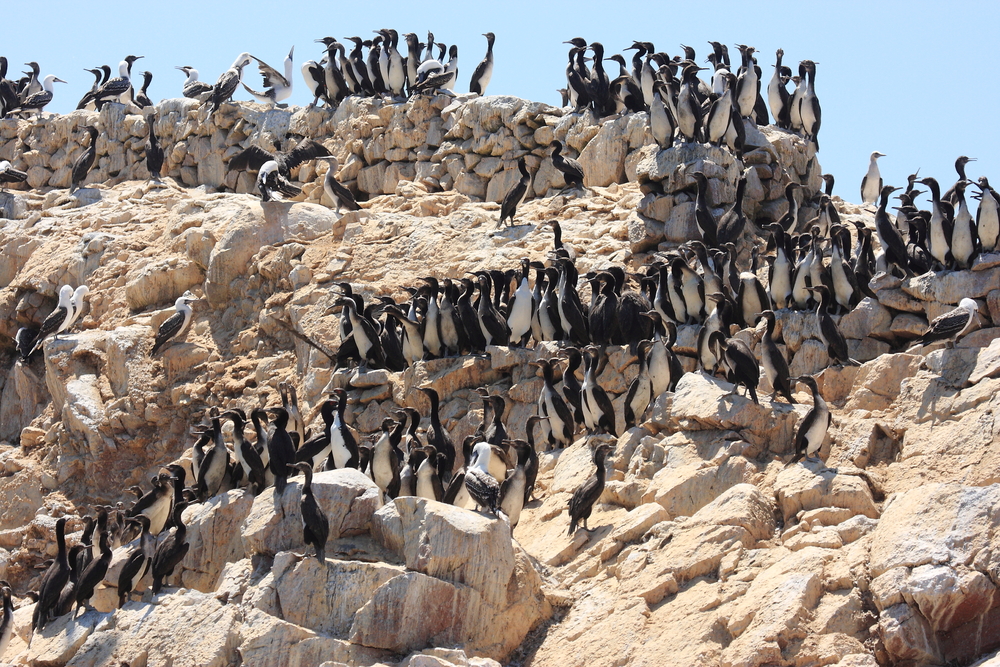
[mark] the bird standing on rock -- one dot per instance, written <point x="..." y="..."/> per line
<point x="315" y="525"/>
<point x="175" y="325"/>
<point x="586" y="495"/>
<point x="950" y="326"/>
<point x="514" y="196"/>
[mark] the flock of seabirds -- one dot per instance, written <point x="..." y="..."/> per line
<point x="813" y="266"/>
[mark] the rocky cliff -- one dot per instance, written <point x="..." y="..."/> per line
<point x="708" y="549"/>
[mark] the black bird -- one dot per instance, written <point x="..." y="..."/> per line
<point x="703" y="215"/>
<point x="571" y="170"/>
<point x="281" y="450"/>
<point x="484" y="70"/>
<point x="438" y="437"/>
<point x="888" y="236"/>
<point x="582" y="502"/>
<point x="255" y="157"/>
<point x="138" y="561"/>
<point x="171" y="551"/>
<point x="94" y="573"/>
<point x="315" y="526"/>
<point x="154" y="153"/>
<point x="142" y="98"/>
<point x="514" y="196"/>
<point x="739" y="362"/>
<point x="733" y="221"/>
<point x="812" y="430"/>
<point x="246" y="454"/>
<point x="83" y="163"/>
<point x="830" y="335"/>
<point x="775" y="366"/>
<point x="7" y="611"/>
<point x="53" y="581"/>
<point x="598" y="412"/>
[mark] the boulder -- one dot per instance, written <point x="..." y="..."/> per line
<point x="462" y="569"/>
<point x="348" y="497"/>
<point x="214" y="533"/>
<point x="809" y="486"/>
<point x="185" y="628"/>
<point x="703" y="402"/>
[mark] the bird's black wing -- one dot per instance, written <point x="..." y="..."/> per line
<point x="947" y="325"/>
<point x="272" y="77"/>
<point x="252" y="158"/>
<point x="307" y="149"/>
<point x="170" y="327"/>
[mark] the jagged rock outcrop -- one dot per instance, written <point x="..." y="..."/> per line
<point x="708" y="548"/>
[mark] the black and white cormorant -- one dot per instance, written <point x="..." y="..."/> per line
<point x="514" y="196"/>
<point x="888" y="236"/>
<point x="661" y="120"/>
<point x="941" y="225"/>
<point x="83" y="163"/>
<point x="315" y="525"/>
<point x="174" y="326"/>
<point x="640" y="392"/>
<point x="94" y="573"/>
<point x="514" y="489"/>
<point x="334" y="189"/>
<point x="484" y="70"/>
<point x="598" y="412"/>
<point x="732" y="222"/>
<point x="812" y="431"/>
<point x="988" y="215"/>
<point x="155" y="504"/>
<point x="171" y="550"/>
<point x="965" y="243"/>
<point x="773" y="361"/>
<point x="581" y="504"/>
<point x="138" y="562"/>
<point x="246" y="454"/>
<point x="777" y="94"/>
<point x="829" y="332"/>
<point x="481" y="485"/>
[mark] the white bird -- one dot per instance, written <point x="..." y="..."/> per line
<point x="58" y="320"/>
<point x="871" y="184"/>
<point x="279" y="86"/>
<point x="175" y="325"/>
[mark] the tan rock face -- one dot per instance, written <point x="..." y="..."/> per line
<point x="707" y="548"/>
<point x="274" y="524"/>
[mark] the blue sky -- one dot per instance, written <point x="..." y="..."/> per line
<point x="910" y="79"/>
